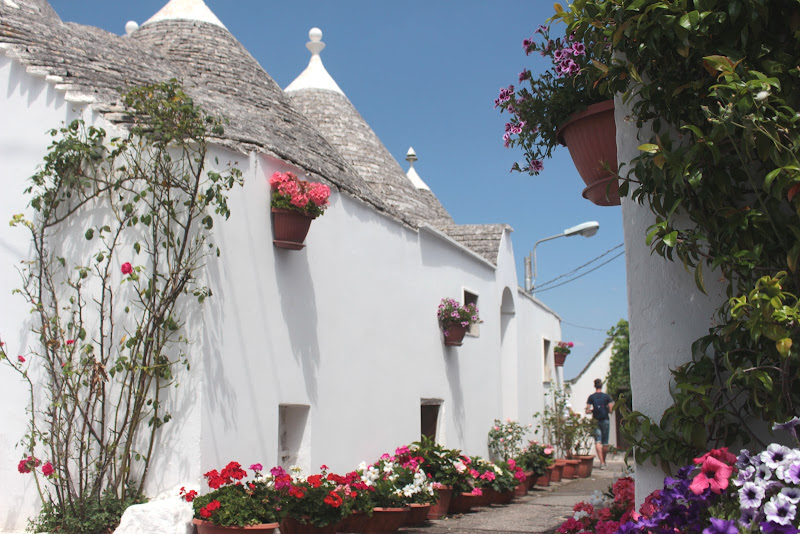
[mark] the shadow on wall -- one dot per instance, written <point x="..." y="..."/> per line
<point x="453" y="371"/>
<point x="299" y="306"/>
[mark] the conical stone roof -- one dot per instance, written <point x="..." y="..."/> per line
<point x="217" y="72"/>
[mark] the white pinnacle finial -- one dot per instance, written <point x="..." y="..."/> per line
<point x="315" y="76"/>
<point x="130" y="27"/>
<point x="411" y="156"/>
<point x="315" y="45"/>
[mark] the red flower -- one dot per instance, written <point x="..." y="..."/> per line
<point x="208" y="509"/>
<point x="333" y="499"/>
<point x="719" y="454"/>
<point x="188" y="495"/>
<point x="296" y="492"/>
<point x="70" y="341"/>
<point x="28" y="464"/>
<point x="47" y="469"/>
<point x="126" y="268"/>
<point x="21" y="359"/>
<point x="315" y="481"/>
<point x="233" y="471"/>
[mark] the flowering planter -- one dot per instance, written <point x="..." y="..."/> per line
<point x="462" y="503"/>
<point x="555" y="472"/>
<point x="454" y="335"/>
<point x="290" y="228"/>
<point x="290" y="525"/>
<point x="559" y="358"/>
<point x="418" y="514"/>
<point x="585" y="466"/>
<point x="385" y="520"/>
<point x="206" y="527"/>
<point x="591" y="137"/>
<point x="354" y="523"/>
<point x="439" y="509"/>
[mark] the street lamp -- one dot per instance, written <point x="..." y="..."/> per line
<point x="587" y="229"/>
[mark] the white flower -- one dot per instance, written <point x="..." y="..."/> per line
<point x="780" y="510"/>
<point x="762" y="95"/>
<point x="577" y="516"/>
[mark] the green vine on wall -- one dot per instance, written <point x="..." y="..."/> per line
<point x="717" y="82"/>
<point x="120" y="230"/>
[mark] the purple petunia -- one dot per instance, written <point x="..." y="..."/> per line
<point x="751" y="495"/>
<point x="721" y="526"/>
<point x="780" y="510"/>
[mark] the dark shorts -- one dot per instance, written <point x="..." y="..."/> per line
<point x="601" y="431"/>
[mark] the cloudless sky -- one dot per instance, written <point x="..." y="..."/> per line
<point x="425" y="73"/>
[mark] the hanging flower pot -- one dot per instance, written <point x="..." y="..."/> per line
<point x="591" y="137"/>
<point x="295" y="203"/>
<point x="206" y="527"/>
<point x="290" y="228"/>
<point x="454" y="335"/>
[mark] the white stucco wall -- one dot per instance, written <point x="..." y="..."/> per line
<point x="666" y="310"/>
<point x="346" y="326"/>
<point x="582" y="386"/>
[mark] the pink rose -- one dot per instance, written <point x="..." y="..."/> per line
<point x="126" y="268"/>
<point x="70" y="341"/>
<point x="21" y="359"/>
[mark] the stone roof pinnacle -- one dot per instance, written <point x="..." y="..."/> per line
<point x="411" y="157"/>
<point x="315" y="76"/>
<point x="194" y="10"/>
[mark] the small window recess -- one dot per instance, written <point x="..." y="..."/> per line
<point x="430" y="418"/>
<point x="547" y="372"/>
<point x="294" y="436"/>
<point x="472" y="298"/>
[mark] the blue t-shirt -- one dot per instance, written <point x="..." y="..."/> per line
<point x="599" y="402"/>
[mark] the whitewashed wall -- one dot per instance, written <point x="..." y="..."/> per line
<point x="346" y="326"/>
<point x="666" y="310"/>
<point x="582" y="386"/>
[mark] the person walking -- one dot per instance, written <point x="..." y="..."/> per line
<point x="600" y="404"/>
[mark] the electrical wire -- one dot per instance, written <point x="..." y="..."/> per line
<point x="536" y="290"/>
<point x="576" y="269"/>
<point x="585" y="327"/>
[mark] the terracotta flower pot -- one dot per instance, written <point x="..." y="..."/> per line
<point x="522" y="488"/>
<point x="454" y="334"/>
<point x="591" y="137"/>
<point x="418" y="514"/>
<point x="569" y="468"/>
<point x="555" y="472"/>
<point x="290" y="525"/>
<point x="585" y="467"/>
<point x="530" y="480"/>
<point x="462" y="503"/>
<point x="290" y="228"/>
<point x="206" y="527"/>
<point x="385" y="520"/>
<point x="354" y="523"/>
<point x="559" y="358"/>
<point x="543" y="480"/>
<point x="439" y="509"/>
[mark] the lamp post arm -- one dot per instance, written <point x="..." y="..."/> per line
<point x="533" y="255"/>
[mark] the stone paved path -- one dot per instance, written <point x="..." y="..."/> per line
<point x="541" y="511"/>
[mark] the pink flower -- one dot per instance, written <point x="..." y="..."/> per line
<point x="126" y="268"/>
<point x="548" y="450"/>
<point x="256" y="467"/>
<point x="21" y="359"/>
<point x="47" y="469"/>
<point x="476" y="491"/>
<point x="319" y="194"/>
<point x="70" y="341"/>
<point x="512" y="464"/>
<point x="299" y="200"/>
<point x="713" y="474"/>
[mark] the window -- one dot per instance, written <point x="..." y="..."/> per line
<point x="547" y="373"/>
<point x="429" y="417"/>
<point x="472" y="298"/>
<point x="294" y="443"/>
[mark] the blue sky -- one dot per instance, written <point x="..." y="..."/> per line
<point x="425" y="74"/>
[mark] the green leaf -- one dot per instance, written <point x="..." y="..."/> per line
<point x="698" y="278"/>
<point x="649" y="148"/>
<point x="89" y="234"/>
<point x="671" y="239"/>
